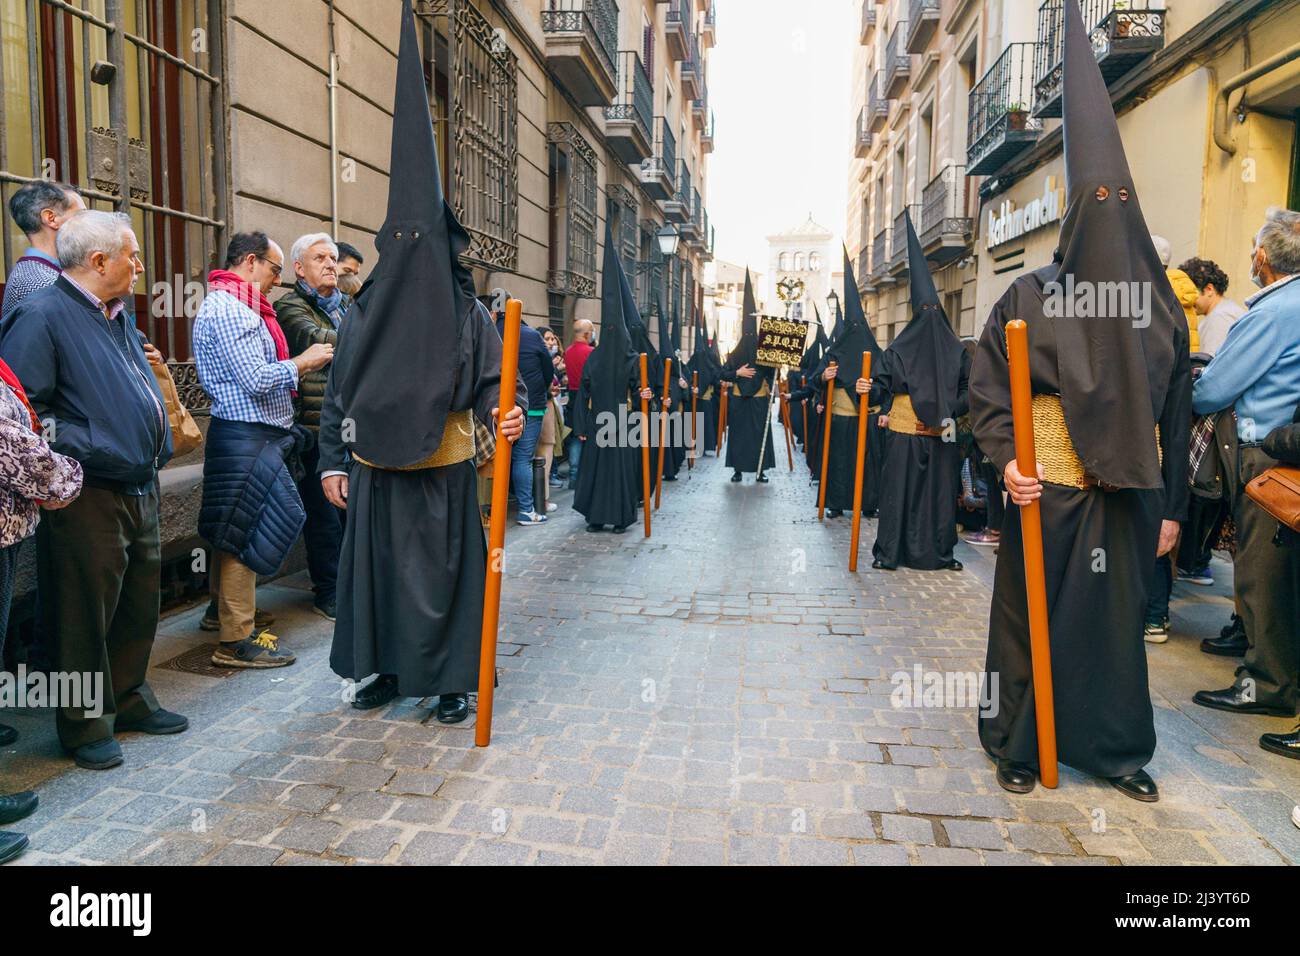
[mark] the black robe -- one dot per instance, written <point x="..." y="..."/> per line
<point x="920" y="482"/>
<point x="609" y="481"/>
<point x="747" y="420"/>
<point x="1104" y="721"/>
<point x="414" y="558"/>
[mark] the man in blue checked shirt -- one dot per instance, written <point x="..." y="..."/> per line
<point x="1256" y="372"/>
<point x="244" y="365"/>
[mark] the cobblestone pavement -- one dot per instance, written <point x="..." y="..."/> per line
<point x="717" y="694"/>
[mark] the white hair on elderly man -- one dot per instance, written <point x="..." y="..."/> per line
<point x="304" y="243"/>
<point x="91" y="231"/>
<point x="1280" y="237"/>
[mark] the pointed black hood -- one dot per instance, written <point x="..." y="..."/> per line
<point x="611" y="363"/>
<point x="666" y="350"/>
<point x="812" y="355"/>
<point x="855" y="336"/>
<point x="927" y="355"/>
<point x="677" y="330"/>
<point x="703" y="360"/>
<point x="1114" y="371"/>
<point x="400" y="349"/>
<point x="746" y="350"/>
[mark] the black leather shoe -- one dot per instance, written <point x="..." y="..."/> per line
<point x="378" y="692"/>
<point x="1233" y="700"/>
<point x="880" y="566"/>
<point x="12" y="846"/>
<point x="7" y="735"/>
<point x="735" y="476"/>
<point x="101" y="755"/>
<point x="834" y="513"/>
<point x="1138" y="785"/>
<point x="1284" y="745"/>
<point x="1015" y="777"/>
<point x="453" y="708"/>
<point x="761" y="479"/>
<point x="1231" y="641"/>
<point x="953" y="565"/>
<point x="15" y="806"/>
<point x="595" y="528"/>
<point x="159" y="722"/>
<point x="620" y="528"/>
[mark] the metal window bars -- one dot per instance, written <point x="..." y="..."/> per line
<point x="573" y="212"/>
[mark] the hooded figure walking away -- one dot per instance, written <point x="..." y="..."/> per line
<point x="854" y="337"/>
<point x="811" y="394"/>
<point x="1112" y="406"/>
<point x="418" y="360"/>
<point x="748" y="409"/>
<point x="705" y="364"/>
<point x="921" y="390"/>
<point x="673" y="456"/>
<point x="609" y="481"/>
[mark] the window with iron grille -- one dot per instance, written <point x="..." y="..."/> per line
<point x="649" y="270"/>
<point x="483" y="128"/>
<point x="621" y="210"/>
<point x="573" y="212"/>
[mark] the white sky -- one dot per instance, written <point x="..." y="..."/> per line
<point x="780" y="83"/>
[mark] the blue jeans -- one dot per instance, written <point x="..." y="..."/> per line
<point x="521" y="463"/>
<point x="574" y="454"/>
<point x="323" y="532"/>
<point x="1162" y="582"/>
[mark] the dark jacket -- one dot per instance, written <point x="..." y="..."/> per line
<point x="306" y="325"/>
<point x="251" y="507"/>
<point x="1283" y="443"/>
<point x="91" y="386"/>
<point x="535" y="366"/>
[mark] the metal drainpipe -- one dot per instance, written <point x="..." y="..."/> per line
<point x="334" y="123"/>
<point x="1222" y="132"/>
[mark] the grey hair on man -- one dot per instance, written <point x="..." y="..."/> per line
<point x="301" y="246"/>
<point x="28" y="203"/>
<point x="1280" y="239"/>
<point x="89" y="232"/>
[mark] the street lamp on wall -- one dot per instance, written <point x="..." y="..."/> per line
<point x="833" y="303"/>
<point x="668" y="238"/>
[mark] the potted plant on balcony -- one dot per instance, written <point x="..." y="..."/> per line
<point x="1017" y="116"/>
<point x="1122" y="23"/>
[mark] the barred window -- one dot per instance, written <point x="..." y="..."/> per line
<point x="573" y="212"/>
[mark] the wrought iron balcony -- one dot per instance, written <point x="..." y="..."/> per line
<point x="999" y="126"/>
<point x="898" y="62"/>
<point x="706" y="134"/>
<point x="692" y="227"/>
<point x="898" y="248"/>
<point x="677" y="29"/>
<point x="706" y="254"/>
<point x="709" y="27"/>
<point x="877" y="103"/>
<point x="677" y="207"/>
<point x="1123" y="33"/>
<point x="863" y="273"/>
<point x="862" y="141"/>
<point x="868" y="22"/>
<point x="659" y="169"/>
<point x="880" y="258"/>
<point x="922" y="22"/>
<point x="692" y="71"/>
<point x="581" y="41"/>
<point x="700" y="109"/>
<point x="946" y="228"/>
<point x="627" y="121"/>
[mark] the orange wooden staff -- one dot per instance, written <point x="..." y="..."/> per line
<point x="487" y="660"/>
<point x="863" y="411"/>
<point x="785" y="420"/>
<point x="663" y="433"/>
<point x="695" y="388"/>
<point x="804" y="405"/>
<point x="722" y="416"/>
<point x="645" y="447"/>
<point x="1031" y="534"/>
<point x="826" y="448"/>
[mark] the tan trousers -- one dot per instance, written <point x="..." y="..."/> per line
<point x="236" y="590"/>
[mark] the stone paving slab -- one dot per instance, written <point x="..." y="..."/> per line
<point x="721" y="693"/>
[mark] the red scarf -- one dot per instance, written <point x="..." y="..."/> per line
<point x="249" y="295"/>
<point x="9" y="378"/>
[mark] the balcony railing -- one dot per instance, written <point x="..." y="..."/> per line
<point x="868" y="21"/>
<point x="677" y="28"/>
<point x="922" y="22"/>
<point x="628" y="119"/>
<point x="879" y="255"/>
<point x="999" y="125"/>
<point x="678" y="206"/>
<point x="862" y="140"/>
<point x="863" y="274"/>
<point x="1123" y="33"/>
<point x="658" y="171"/>
<point x="709" y="27"/>
<point x="596" y="22"/>
<point x="706" y="134"/>
<point x="898" y="62"/>
<point x="877" y="103"/>
<point x="946" y="226"/>
<point x="898" y="249"/>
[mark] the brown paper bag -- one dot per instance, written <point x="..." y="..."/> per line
<point x="186" y="436"/>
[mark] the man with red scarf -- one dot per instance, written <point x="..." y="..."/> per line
<point x="250" y="503"/>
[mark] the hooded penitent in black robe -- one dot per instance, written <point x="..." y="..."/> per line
<point x="416" y="352"/>
<point x="920" y="480"/>
<point x="674" y="428"/>
<point x="609" y="481"/>
<point x="704" y="364"/>
<point x="808" y="399"/>
<point x="854" y="337"/>
<point x="749" y="406"/>
<point x="1117" y="378"/>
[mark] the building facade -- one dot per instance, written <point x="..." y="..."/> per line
<point x="206" y="117"/>
<point x="805" y="253"/>
<point x="958" y="119"/>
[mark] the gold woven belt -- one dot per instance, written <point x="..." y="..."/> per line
<point x="457" y="445"/>
<point x="841" y="404"/>
<point x="761" y="393"/>
<point x="902" y="419"/>
<point x="1055" y="450"/>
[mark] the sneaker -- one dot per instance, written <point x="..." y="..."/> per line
<point x="552" y="507"/>
<point x="1295" y="815"/>
<point x="984" y="538"/>
<point x="1202" y="577"/>
<point x="326" y="609"/>
<point x="255" y="651"/>
<point x="1156" y="633"/>
<point x="530" y="518"/>
<point x="212" y="620"/>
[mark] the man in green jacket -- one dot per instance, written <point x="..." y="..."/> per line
<point x="310" y="313"/>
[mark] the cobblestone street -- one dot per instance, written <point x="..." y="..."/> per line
<point x="717" y="694"/>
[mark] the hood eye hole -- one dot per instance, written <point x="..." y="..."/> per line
<point x="415" y="235"/>
<point x="1103" y="193"/>
<point x="1123" y="194"/>
<point x="397" y="235"/>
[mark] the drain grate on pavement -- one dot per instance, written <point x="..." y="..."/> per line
<point x="198" y="660"/>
